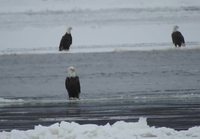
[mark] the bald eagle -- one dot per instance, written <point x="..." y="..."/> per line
<point x="66" y="40"/>
<point x="177" y="37"/>
<point x="72" y="83"/>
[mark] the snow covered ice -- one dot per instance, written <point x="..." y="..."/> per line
<point x="119" y="130"/>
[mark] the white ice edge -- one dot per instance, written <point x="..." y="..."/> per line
<point x="94" y="49"/>
<point x="119" y="130"/>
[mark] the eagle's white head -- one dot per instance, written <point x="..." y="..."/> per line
<point x="69" y="30"/>
<point x="71" y="72"/>
<point x="175" y="28"/>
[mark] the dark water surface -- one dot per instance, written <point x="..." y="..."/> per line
<point x="163" y="86"/>
<point x="175" y="115"/>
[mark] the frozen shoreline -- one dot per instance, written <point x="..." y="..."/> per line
<point x="118" y="130"/>
<point x="140" y="47"/>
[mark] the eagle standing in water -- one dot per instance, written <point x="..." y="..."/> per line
<point x="177" y="37"/>
<point x="72" y="84"/>
<point x="66" y="40"/>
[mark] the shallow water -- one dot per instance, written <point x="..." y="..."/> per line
<point x="182" y="115"/>
<point x="160" y="85"/>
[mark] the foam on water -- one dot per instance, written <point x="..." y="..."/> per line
<point x="3" y="100"/>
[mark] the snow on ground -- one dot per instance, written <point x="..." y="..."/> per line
<point x="119" y="130"/>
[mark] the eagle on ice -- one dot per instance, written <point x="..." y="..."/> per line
<point x="177" y="37"/>
<point x="66" y="40"/>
